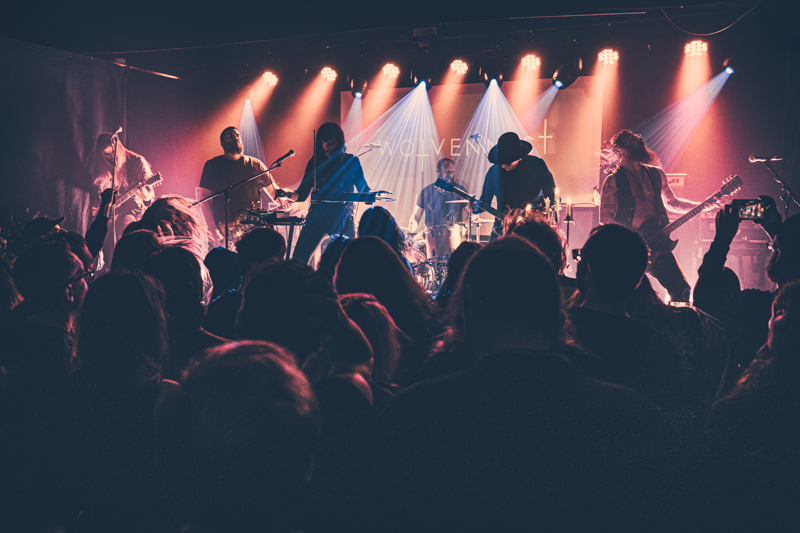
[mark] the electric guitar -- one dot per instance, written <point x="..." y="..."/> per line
<point x="656" y="229"/>
<point x="450" y="187"/>
<point x="155" y="181"/>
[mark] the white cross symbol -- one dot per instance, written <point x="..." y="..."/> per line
<point x="545" y="137"/>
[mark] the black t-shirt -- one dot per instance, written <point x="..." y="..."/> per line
<point x="222" y="172"/>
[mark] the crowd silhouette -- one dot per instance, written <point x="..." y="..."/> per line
<point x="185" y="390"/>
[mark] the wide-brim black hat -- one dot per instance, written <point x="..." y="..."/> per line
<point x="509" y="148"/>
<point x="38" y="227"/>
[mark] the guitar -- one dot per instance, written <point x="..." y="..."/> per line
<point x="656" y="229"/>
<point x="450" y="187"/>
<point x="155" y="181"/>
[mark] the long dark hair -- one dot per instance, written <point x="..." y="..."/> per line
<point x="378" y="222"/>
<point x="122" y="330"/>
<point x="611" y="152"/>
<point x="329" y="130"/>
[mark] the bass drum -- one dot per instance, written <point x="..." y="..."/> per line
<point x="442" y="240"/>
<point x="427" y="276"/>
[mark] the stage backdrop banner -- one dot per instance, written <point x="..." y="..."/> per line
<point x="566" y="134"/>
<point x="53" y="105"/>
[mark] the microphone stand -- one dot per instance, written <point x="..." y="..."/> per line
<point x="786" y="194"/>
<point x="115" y="141"/>
<point x="226" y="193"/>
<point x="479" y="136"/>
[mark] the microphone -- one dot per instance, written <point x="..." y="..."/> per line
<point x="287" y="155"/>
<point x="764" y="158"/>
<point x="375" y="145"/>
<point x="475" y="137"/>
<point x="119" y="130"/>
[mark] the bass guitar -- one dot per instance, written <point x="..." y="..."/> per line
<point x="657" y="228"/>
<point x="155" y="181"/>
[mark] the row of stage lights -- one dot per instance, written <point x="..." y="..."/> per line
<point x="530" y="63"/>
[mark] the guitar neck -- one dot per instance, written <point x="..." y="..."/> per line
<point x="465" y="195"/>
<point x="689" y="215"/>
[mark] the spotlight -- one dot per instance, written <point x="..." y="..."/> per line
<point x="270" y="78"/>
<point x="608" y="56"/>
<point x="422" y="71"/>
<point x="728" y="67"/>
<point x="358" y="87"/>
<point x="695" y="48"/>
<point x="531" y="62"/>
<point x="246" y="100"/>
<point x="459" y="67"/>
<point x="492" y="69"/>
<point x="391" y="71"/>
<point x="328" y="74"/>
<point x="565" y="75"/>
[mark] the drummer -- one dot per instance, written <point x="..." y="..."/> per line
<point x="441" y="209"/>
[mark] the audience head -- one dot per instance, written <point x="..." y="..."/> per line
<point x="122" y="333"/>
<point x="784" y="264"/>
<point x="176" y="216"/>
<point x="49" y="274"/>
<point x="380" y="330"/>
<point x="276" y="307"/>
<point x="179" y="273"/>
<point x="134" y="250"/>
<point x="784" y="326"/>
<point x="244" y="427"/>
<point x="258" y="246"/>
<point x="613" y="261"/>
<point x="144" y="224"/>
<point x="38" y="227"/>
<point x="75" y="241"/>
<point x="223" y="265"/>
<point x="332" y="252"/>
<point x="9" y="295"/>
<point x="509" y="288"/>
<point x="456" y="264"/>
<point x="368" y="265"/>
<point x="533" y="227"/>
<point x="378" y="222"/>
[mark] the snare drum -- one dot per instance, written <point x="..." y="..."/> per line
<point x="442" y="240"/>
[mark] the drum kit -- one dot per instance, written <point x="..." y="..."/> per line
<point x="430" y="249"/>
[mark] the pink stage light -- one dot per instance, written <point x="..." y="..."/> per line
<point x="270" y="78"/>
<point x="608" y="57"/>
<point x="531" y="62"/>
<point x="391" y="71"/>
<point x="459" y="67"/>
<point x="328" y="74"/>
<point x="695" y="48"/>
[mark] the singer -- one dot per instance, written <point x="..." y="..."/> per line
<point x="224" y="170"/>
<point x="336" y="172"/>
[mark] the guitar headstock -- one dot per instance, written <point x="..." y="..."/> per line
<point x="444" y="185"/>
<point x="731" y="186"/>
<point x="154" y="180"/>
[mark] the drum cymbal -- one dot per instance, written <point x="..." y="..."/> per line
<point x="457" y="202"/>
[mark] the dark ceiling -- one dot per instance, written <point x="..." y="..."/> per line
<point x="95" y="27"/>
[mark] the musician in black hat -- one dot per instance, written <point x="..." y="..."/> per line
<point x="516" y="179"/>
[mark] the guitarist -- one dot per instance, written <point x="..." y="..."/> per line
<point x="515" y="178"/>
<point x="636" y="190"/>
<point x="132" y="170"/>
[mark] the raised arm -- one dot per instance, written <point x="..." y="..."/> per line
<point x="679" y="205"/>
